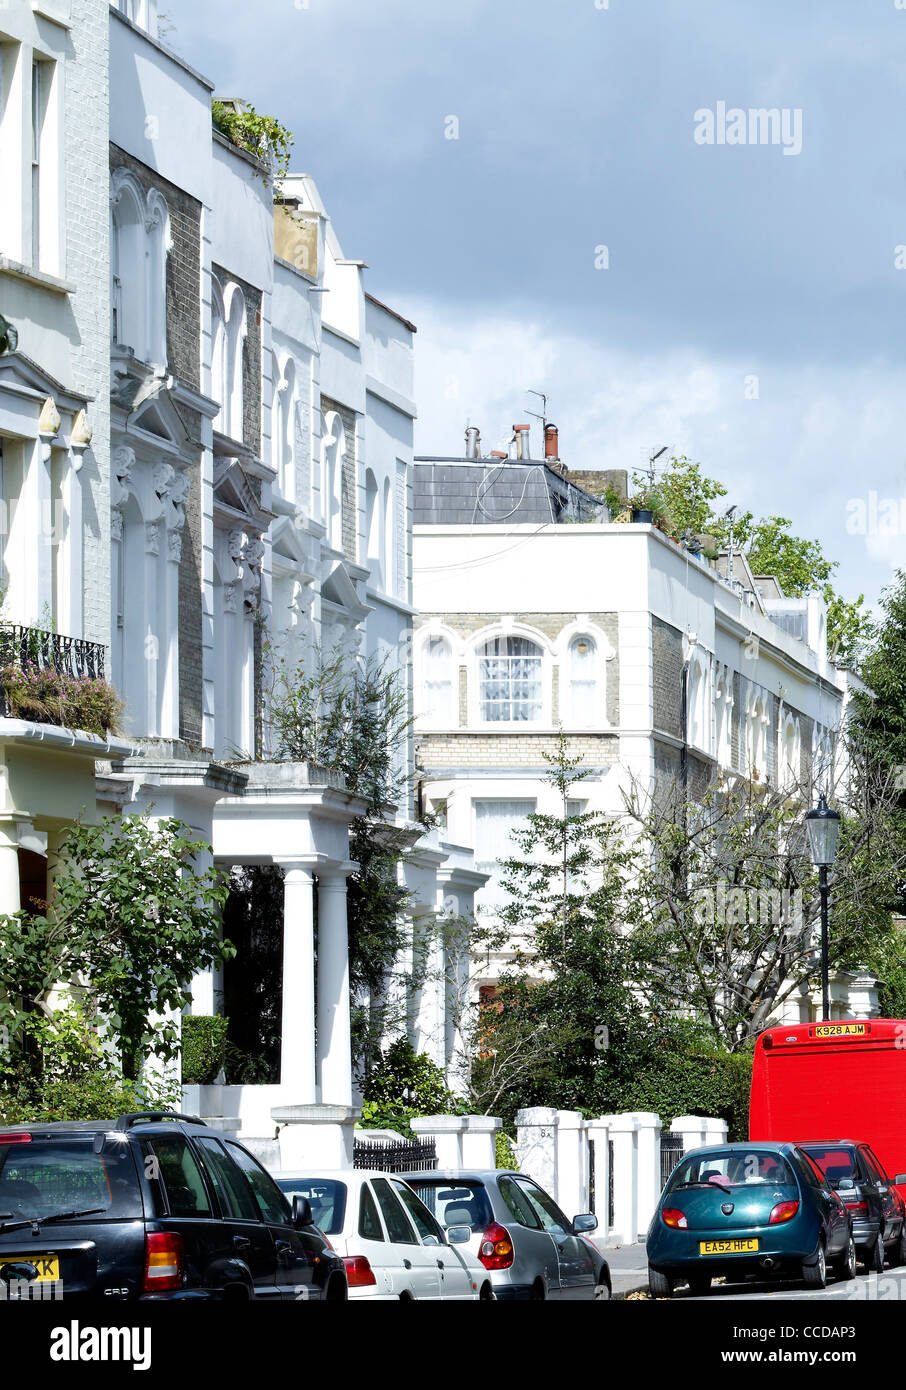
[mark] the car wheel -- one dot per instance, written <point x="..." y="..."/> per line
<point x="700" y="1284"/>
<point x="815" y="1274"/>
<point x="874" y="1260"/>
<point x="661" y="1285"/>
<point x="486" y="1294"/>
<point x="845" y="1266"/>
<point x="602" y="1292"/>
<point x="537" y="1290"/>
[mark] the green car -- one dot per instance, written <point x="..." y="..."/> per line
<point x="747" y="1211"/>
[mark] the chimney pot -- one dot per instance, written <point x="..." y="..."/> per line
<point x="551" y="442"/>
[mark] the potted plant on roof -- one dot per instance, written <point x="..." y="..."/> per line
<point x="647" y="507"/>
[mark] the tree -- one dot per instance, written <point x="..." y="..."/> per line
<point x="770" y="547"/>
<point x="882" y="712"/>
<point x="724" y="898"/>
<point x="566" y="1027"/>
<point x="131" y="921"/>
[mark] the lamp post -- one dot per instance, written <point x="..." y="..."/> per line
<point x="823" y="826"/>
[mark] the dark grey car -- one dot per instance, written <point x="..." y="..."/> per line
<point x="529" y="1246"/>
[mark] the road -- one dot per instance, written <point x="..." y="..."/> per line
<point x="629" y="1271"/>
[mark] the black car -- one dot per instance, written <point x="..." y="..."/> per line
<point x="152" y="1205"/>
<point x="878" y="1215"/>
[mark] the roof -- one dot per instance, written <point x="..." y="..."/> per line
<point x="392" y="312"/>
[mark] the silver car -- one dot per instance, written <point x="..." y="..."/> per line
<point x="520" y="1235"/>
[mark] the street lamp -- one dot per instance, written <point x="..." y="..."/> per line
<point x="823" y="826"/>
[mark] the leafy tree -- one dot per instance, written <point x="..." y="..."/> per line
<point x="882" y="712"/>
<point x="402" y="1085"/>
<point x="131" y="921"/>
<point x="724" y="898"/>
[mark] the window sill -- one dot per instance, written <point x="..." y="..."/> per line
<point x="41" y="278"/>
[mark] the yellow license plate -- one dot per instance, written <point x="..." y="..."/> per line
<point x="841" y="1030"/>
<point x="48" y="1266"/>
<point x="726" y="1247"/>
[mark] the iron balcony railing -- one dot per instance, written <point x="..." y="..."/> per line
<point x="70" y="656"/>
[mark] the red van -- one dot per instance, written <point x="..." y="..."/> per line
<point x="820" y="1081"/>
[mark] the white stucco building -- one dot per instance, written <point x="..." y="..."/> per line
<point x="528" y="621"/>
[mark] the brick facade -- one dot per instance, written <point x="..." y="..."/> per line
<point x="511" y="750"/>
<point x="349" y="489"/>
<point x="667" y="674"/>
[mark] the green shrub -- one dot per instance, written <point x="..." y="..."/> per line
<point x="504" y="1151"/>
<point x="55" y="697"/>
<point x="262" y="136"/>
<point x="697" y="1083"/>
<point x="203" y="1048"/>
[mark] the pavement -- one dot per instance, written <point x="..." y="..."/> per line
<point x="628" y="1269"/>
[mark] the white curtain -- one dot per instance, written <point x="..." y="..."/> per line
<point x="495" y="822"/>
<point x="438" y="683"/>
<point x="583" y="682"/>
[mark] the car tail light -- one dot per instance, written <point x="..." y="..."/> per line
<point x="672" y="1216"/>
<point x="856" y="1206"/>
<point x="784" y="1211"/>
<point x="496" y="1248"/>
<point x="164" y="1265"/>
<point x="359" y="1273"/>
<point x="15" y="1138"/>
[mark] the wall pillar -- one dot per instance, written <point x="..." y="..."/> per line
<point x="572" y="1163"/>
<point x="334" y="1043"/>
<point x="297" y="1046"/>
<point x="599" y="1134"/>
<point x="10" y="900"/>
<point x="479" y="1149"/>
<point x="536" y="1145"/>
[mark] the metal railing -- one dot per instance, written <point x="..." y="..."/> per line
<point x="672" y="1150"/>
<point x="48" y="651"/>
<point x="395" y="1156"/>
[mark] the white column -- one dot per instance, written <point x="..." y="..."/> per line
<point x="430" y="995"/>
<point x="692" y="1130"/>
<point x="479" y="1148"/>
<point x="334" y="1045"/>
<point x="572" y="1163"/>
<point x="9" y="866"/>
<point x="168" y="667"/>
<point x="297" y="1046"/>
<point x="649" y="1169"/>
<point x="69" y="546"/>
<point x="536" y="1145"/>
<point x="715" y="1130"/>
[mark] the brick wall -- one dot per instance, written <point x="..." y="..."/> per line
<point x="87" y="237"/>
<point x="183" y="269"/>
<point x="191" y="656"/>
<point x="511" y="750"/>
<point x="251" y="359"/>
<point x="667" y="672"/>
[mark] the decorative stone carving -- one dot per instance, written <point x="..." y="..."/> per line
<point x="174" y="544"/>
<point x="122" y="463"/>
<point x="230" y="595"/>
<point x="49" y="420"/>
<point x="162" y="479"/>
<point x="116" y="524"/>
<point x="152" y="537"/>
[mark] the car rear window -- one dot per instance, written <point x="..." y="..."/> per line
<point x="835" y="1163"/>
<point x="741" y="1168"/>
<point x="455" y="1204"/>
<point x="45" y="1176"/>
<point x="326" y="1197"/>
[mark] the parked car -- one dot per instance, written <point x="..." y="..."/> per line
<point x="152" y="1206"/>
<point x="740" y="1210"/>
<point x="517" y="1231"/>
<point x="876" y="1209"/>
<point x="391" y="1244"/>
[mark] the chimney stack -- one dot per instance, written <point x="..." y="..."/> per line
<point x="551" y="442"/>
<point x="473" y="443"/>
<point x="523" y="437"/>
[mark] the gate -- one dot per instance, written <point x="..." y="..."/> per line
<point x="395" y="1156"/>
<point x="672" y="1150"/>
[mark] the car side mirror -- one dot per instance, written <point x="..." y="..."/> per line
<point x="459" y="1235"/>
<point x="301" y="1211"/>
<point x="585" y="1222"/>
<point x="900" y="1178"/>
<point x="845" y="1184"/>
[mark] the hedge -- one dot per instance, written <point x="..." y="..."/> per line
<point x="697" y="1083"/>
<point x="203" y="1048"/>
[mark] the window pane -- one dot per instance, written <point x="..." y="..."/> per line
<point x="233" y="1192"/>
<point x="401" y="1233"/>
<point x="422" y="1220"/>
<point x="517" y="1204"/>
<point x="549" y="1214"/>
<point x="52" y="1175"/>
<point x="460" y="1204"/>
<point x="369" y="1222"/>
<point x="493" y="841"/>
<point x="179" y="1175"/>
<point x="271" y="1201"/>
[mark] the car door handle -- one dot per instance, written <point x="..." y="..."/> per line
<point x="407" y="1264"/>
<point x="440" y="1264"/>
<point x="241" y="1243"/>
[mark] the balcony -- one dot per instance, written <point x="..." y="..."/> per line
<point x="51" y="679"/>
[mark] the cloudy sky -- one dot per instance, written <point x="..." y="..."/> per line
<point x="739" y="302"/>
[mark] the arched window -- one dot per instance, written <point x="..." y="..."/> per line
<point x="756" y="740"/>
<point x="218" y="354"/>
<point x="696" y="721"/>
<point x="388" y="536"/>
<point x="509" y="680"/>
<point x="140" y="244"/>
<point x="437" y="659"/>
<point x="789" y="755"/>
<point x="584" y="684"/>
<point x="283" y="424"/>
<point x="374" y="532"/>
<point x="333" y="447"/>
<point x="235" y="331"/>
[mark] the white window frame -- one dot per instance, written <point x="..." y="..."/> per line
<point x="477" y="701"/>
<point x="425" y="714"/>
